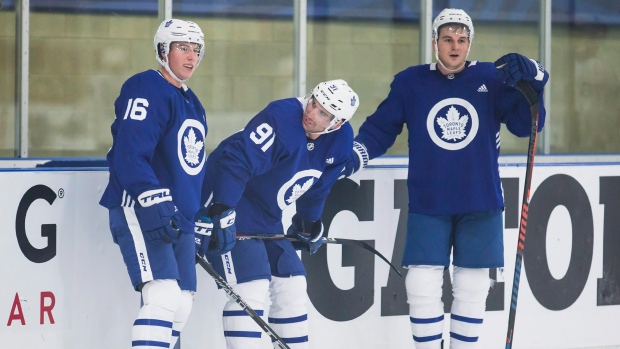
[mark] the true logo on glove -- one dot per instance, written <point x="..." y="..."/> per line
<point x="152" y="197"/>
<point x="155" y="196"/>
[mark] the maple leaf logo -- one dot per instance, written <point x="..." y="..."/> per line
<point x="453" y="125"/>
<point x="192" y="148"/>
<point x="299" y="190"/>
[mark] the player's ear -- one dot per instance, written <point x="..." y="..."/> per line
<point x="162" y="52"/>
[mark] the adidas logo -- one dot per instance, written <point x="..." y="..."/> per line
<point x="483" y="88"/>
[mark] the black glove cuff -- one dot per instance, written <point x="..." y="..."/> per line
<point x="306" y="227"/>
<point x="298" y="223"/>
<point x="217" y="209"/>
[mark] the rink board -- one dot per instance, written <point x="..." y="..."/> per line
<point x="64" y="285"/>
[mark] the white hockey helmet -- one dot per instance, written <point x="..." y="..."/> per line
<point x="174" y="30"/>
<point x="338" y="99"/>
<point x="453" y="15"/>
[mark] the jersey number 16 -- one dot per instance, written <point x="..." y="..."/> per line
<point x="136" y="109"/>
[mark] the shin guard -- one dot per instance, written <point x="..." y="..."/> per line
<point x="470" y="288"/>
<point x="180" y="317"/>
<point x="424" y="289"/>
<point x="240" y="330"/>
<point x="152" y="328"/>
<point x="288" y="314"/>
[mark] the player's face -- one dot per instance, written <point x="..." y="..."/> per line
<point x="316" y="119"/>
<point x="452" y="46"/>
<point x="183" y="59"/>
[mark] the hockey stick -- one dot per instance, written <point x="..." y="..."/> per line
<point x="326" y="240"/>
<point x="532" y="99"/>
<point x="229" y="290"/>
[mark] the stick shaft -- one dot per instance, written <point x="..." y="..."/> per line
<point x="229" y="290"/>
<point x="532" y="98"/>
<point x="326" y="240"/>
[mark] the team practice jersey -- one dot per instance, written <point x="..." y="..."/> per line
<point x="454" y="134"/>
<point x="270" y="164"/>
<point x="158" y="142"/>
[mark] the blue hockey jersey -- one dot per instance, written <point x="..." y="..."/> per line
<point x="270" y="164"/>
<point x="454" y="134"/>
<point x="158" y="142"/>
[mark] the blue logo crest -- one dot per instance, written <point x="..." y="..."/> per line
<point x="168" y="23"/>
<point x="353" y="100"/>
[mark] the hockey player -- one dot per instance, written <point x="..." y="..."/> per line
<point x="156" y="172"/>
<point x="291" y="151"/>
<point x="453" y="110"/>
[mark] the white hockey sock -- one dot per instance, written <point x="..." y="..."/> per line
<point x="424" y="289"/>
<point x="180" y="317"/>
<point x="288" y="314"/>
<point x="470" y="288"/>
<point x="240" y="331"/>
<point x="152" y="328"/>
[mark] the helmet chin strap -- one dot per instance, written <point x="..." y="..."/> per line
<point x="304" y="103"/>
<point x="167" y="67"/>
<point x="443" y="65"/>
<point x="329" y="128"/>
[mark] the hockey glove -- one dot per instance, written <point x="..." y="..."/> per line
<point x="224" y="233"/>
<point x="357" y="161"/>
<point x="309" y="235"/>
<point x="202" y="231"/>
<point x="514" y="67"/>
<point x="158" y="217"/>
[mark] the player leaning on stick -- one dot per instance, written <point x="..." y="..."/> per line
<point x="156" y="173"/>
<point x="292" y="151"/>
<point x="453" y="110"/>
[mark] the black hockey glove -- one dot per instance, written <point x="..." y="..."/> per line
<point x="309" y="234"/>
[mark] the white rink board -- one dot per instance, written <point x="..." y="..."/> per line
<point x="94" y="305"/>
